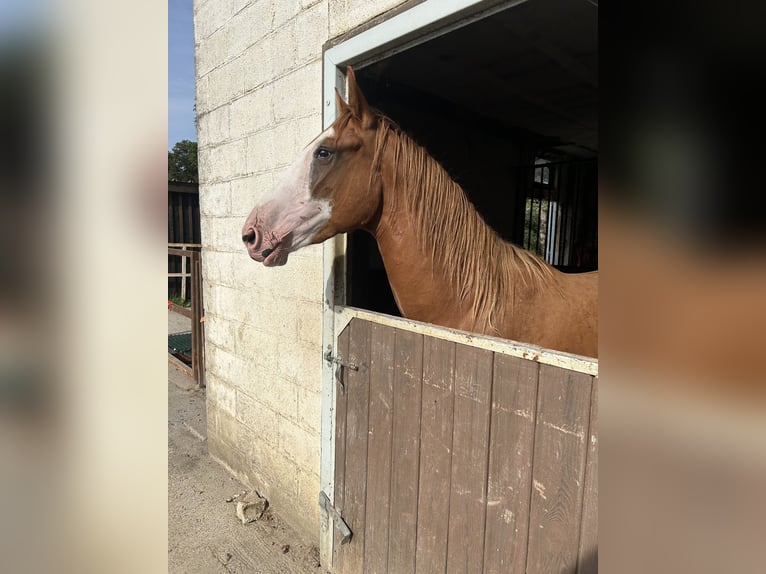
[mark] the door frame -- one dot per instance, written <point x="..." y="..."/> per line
<point x="416" y="25"/>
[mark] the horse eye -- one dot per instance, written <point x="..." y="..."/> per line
<point x="322" y="153"/>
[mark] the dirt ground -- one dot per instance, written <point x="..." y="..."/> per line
<point x="204" y="534"/>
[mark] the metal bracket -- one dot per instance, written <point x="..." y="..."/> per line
<point x="340" y="524"/>
<point x="330" y="358"/>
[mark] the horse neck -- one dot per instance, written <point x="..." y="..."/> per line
<point x="444" y="263"/>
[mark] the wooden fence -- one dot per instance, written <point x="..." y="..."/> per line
<point x="185" y="272"/>
<point x="183" y="229"/>
<point x="197" y="370"/>
<point x="453" y="458"/>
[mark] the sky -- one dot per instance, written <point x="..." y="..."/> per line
<point x="180" y="72"/>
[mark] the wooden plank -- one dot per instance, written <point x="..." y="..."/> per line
<point x="183" y="281"/>
<point x="341" y="403"/>
<point x="200" y="314"/>
<point x="196" y="235"/>
<point x="405" y="461"/>
<point x="195" y="323"/>
<point x="358" y="397"/>
<point x="189" y="218"/>
<point x="587" y="556"/>
<point x="514" y="400"/>
<point x="180" y="366"/>
<point x="181" y="310"/>
<point x="473" y="388"/>
<point x="379" y="447"/>
<point x="171" y="220"/>
<point x="180" y="218"/>
<point x="514" y="348"/>
<point x="435" y="455"/>
<point x="558" y="468"/>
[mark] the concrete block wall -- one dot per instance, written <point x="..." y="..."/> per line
<point x="259" y="101"/>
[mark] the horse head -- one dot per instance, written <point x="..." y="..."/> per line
<point x="326" y="191"/>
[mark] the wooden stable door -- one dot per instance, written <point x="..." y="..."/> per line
<point x="450" y="458"/>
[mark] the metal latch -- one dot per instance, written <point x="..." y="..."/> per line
<point x="340" y="524"/>
<point x="328" y="356"/>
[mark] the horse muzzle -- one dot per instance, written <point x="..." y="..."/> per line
<point x="270" y="253"/>
<point x="252" y="239"/>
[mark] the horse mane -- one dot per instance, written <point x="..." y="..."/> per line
<point x="478" y="263"/>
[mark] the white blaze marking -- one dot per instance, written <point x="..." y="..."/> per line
<point x="290" y="207"/>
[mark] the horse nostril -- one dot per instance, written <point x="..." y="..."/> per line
<point x="249" y="237"/>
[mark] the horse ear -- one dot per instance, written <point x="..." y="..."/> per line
<point x="357" y="102"/>
<point x="340" y="104"/>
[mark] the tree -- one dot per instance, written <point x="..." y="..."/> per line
<point x="182" y="162"/>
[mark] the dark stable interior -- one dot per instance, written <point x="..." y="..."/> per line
<point x="509" y="106"/>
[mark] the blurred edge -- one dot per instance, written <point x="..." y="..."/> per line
<point x="683" y="287"/>
<point x="83" y="137"/>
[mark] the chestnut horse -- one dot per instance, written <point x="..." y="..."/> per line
<point x="445" y="264"/>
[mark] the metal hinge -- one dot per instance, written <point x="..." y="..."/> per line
<point x="340" y="524"/>
<point x="340" y="365"/>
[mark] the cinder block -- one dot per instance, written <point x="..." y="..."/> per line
<point x="215" y="200"/>
<point x="299" y="94"/>
<point x="231" y="458"/>
<point x="285" y="10"/>
<point x="228" y="306"/>
<point x="310" y="408"/>
<point x="260" y="152"/>
<point x="249" y="25"/>
<point x="202" y="93"/>
<point x="273" y="390"/>
<point x="216" y="267"/>
<point x="225" y="426"/>
<point x="221" y="303"/>
<point x="224" y="84"/>
<point x="282" y="47"/>
<point x="348" y="14"/>
<point x="306" y="366"/>
<point x="251" y="113"/>
<point x="214" y="51"/>
<point x="227" y="367"/>
<point x="286" y="149"/>
<point x="217" y="335"/>
<point x="307" y="129"/>
<point x="213" y="127"/>
<point x="277" y="479"/>
<point x="203" y="160"/>
<point x="308" y="487"/>
<point x="309" y="3"/>
<point x="261" y="466"/>
<point x="223" y="395"/>
<point x="308" y="321"/>
<point x="223" y="162"/>
<point x="238" y="5"/>
<point x="223" y="234"/>
<point x="257" y="65"/>
<point x="298" y="445"/>
<point x="248" y="191"/>
<point x="257" y="416"/>
<point x="209" y="16"/>
<point x="300" y="279"/>
<point x="312" y="28"/>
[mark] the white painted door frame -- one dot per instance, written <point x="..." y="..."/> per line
<point x="422" y="22"/>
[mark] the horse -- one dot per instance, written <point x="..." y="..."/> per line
<point x="446" y="266"/>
